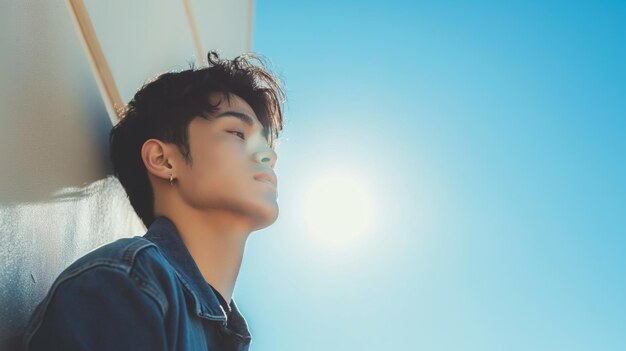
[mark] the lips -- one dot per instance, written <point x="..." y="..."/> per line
<point x="267" y="177"/>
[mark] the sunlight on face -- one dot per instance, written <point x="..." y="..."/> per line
<point x="338" y="209"/>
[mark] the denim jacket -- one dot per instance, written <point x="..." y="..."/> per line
<point x="139" y="293"/>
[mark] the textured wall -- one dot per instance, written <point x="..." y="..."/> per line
<point x="41" y="238"/>
<point x="57" y="200"/>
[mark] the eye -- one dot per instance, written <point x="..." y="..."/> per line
<point x="243" y="136"/>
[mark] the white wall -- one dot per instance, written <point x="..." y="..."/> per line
<point x="57" y="200"/>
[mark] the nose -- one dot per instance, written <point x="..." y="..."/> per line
<point x="266" y="156"/>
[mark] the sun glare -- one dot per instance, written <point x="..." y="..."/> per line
<point x="337" y="209"/>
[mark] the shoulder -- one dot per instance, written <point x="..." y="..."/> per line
<point x="99" y="306"/>
<point x="121" y="254"/>
<point x="116" y="278"/>
<point x="137" y="258"/>
<point x="134" y="261"/>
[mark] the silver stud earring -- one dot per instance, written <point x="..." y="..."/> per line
<point x="171" y="180"/>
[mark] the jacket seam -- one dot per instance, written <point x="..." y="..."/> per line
<point x="150" y="290"/>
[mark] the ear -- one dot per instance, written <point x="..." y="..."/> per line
<point x="157" y="157"/>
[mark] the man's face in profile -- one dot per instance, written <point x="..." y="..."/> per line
<point x="228" y="156"/>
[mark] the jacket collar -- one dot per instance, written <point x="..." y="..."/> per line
<point x="165" y="235"/>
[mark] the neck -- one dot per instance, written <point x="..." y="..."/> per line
<point x="216" y="240"/>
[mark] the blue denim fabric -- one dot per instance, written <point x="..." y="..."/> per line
<point x="139" y="293"/>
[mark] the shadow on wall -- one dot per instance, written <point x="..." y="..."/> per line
<point x="40" y="239"/>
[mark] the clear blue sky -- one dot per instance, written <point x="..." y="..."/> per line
<point x="451" y="177"/>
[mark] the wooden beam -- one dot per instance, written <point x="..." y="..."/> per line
<point x="112" y="99"/>
<point x="194" y="32"/>
<point x="250" y="22"/>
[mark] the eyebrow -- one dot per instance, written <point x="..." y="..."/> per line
<point x="243" y="117"/>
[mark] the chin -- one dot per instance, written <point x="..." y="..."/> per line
<point x="267" y="216"/>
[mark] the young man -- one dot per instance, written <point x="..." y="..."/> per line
<point x="195" y="154"/>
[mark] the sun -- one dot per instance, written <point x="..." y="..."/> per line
<point x="338" y="209"/>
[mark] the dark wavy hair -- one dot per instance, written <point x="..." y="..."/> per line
<point x="164" y="107"/>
